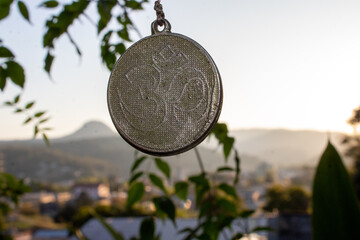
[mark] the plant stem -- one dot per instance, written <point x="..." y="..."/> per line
<point x="199" y="160"/>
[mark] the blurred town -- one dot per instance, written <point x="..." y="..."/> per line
<point x="90" y="169"/>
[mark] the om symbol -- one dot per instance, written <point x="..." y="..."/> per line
<point x="167" y="93"/>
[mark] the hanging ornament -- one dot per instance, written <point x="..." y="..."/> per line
<point x="164" y="92"/>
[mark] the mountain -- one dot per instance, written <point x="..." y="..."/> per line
<point x="95" y="150"/>
<point x="90" y="130"/>
<point x="286" y="147"/>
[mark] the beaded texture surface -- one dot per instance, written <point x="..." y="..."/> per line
<point x="164" y="94"/>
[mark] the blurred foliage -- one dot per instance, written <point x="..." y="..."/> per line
<point x="217" y="203"/>
<point x="336" y="212"/>
<point x="354" y="120"/>
<point x="112" y="44"/>
<point x="353" y="149"/>
<point x="220" y="131"/>
<point x="10" y="191"/>
<point x="292" y="199"/>
<point x="38" y="118"/>
<point x="78" y="212"/>
<point x="11" y="70"/>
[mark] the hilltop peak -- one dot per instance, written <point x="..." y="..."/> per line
<point x="91" y="129"/>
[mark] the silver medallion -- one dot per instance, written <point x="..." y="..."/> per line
<point x="164" y="93"/>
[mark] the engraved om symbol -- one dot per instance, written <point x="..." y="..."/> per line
<point x="166" y="93"/>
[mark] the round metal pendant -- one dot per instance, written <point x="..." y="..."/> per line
<point x="164" y="93"/>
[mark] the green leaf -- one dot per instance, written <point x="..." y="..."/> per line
<point x="17" y="99"/>
<point x="29" y="105"/>
<point x="135" y="177"/>
<point x="228" y="145"/>
<point x="124" y="34"/>
<point x="237" y="236"/>
<point x="207" y="235"/>
<point x="36" y="130"/>
<point x="120" y="48"/>
<point x="46" y="139"/>
<point x="4" y="209"/>
<point x="49" y="4"/>
<point x="5" y="53"/>
<point x="163" y="167"/>
<point x="28" y="120"/>
<point x="246" y="213"/>
<point x="227" y="206"/>
<point x="16" y="73"/>
<point x="181" y="190"/>
<point x="124" y="19"/>
<point x="44" y="120"/>
<point x="200" y="180"/>
<point x="9" y="103"/>
<point x="147" y="229"/>
<point x="155" y="180"/>
<point x="220" y="131"/>
<point x="104" y="9"/>
<point x="58" y="25"/>
<point x="11" y="189"/>
<point x="230" y="190"/>
<point x="262" y="228"/>
<point x="202" y="186"/>
<point x="133" y="5"/>
<point x="18" y="110"/>
<point x="211" y="230"/>
<point x="48" y="62"/>
<point x="226" y="221"/>
<point x="109" y="58"/>
<point x="224" y="169"/>
<point x="336" y="212"/>
<point x="205" y="209"/>
<point x="135" y="194"/>
<point x="185" y="230"/>
<point x="137" y="163"/>
<point x="23" y="10"/>
<point x="5" y="8"/>
<point x="39" y="114"/>
<point x="200" y="192"/>
<point x="165" y="205"/>
<point x="2" y="78"/>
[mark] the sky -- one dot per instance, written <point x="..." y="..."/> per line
<point x="284" y="63"/>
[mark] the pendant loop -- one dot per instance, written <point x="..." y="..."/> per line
<point x="155" y="27"/>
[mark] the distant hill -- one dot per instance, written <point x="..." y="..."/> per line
<point x="51" y="165"/>
<point x="95" y="150"/>
<point x="92" y="129"/>
<point x="285" y="147"/>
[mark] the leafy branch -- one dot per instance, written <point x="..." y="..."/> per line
<point x="218" y="203"/>
<point x="10" y="69"/>
<point x="113" y="40"/>
<point x="37" y="118"/>
<point x="112" y="44"/>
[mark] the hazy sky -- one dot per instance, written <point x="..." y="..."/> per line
<point x="284" y="64"/>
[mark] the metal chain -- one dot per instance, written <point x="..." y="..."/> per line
<point x="160" y="15"/>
